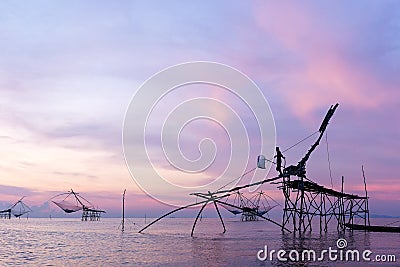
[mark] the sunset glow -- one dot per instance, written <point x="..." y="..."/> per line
<point x="68" y="73"/>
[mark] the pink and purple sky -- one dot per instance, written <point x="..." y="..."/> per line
<point x="68" y="70"/>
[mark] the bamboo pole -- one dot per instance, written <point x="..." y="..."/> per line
<point x="123" y="211"/>
<point x="366" y="197"/>
<point x="197" y="217"/>
<point x="220" y="217"/>
<point x="175" y="210"/>
<point x="255" y="213"/>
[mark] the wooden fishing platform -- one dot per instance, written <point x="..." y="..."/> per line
<point x="17" y="209"/>
<point x="74" y="202"/>
<point x="304" y="200"/>
<point x="316" y="188"/>
<point x="5" y="214"/>
<point x="91" y="214"/>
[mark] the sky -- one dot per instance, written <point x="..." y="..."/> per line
<point x="69" y="69"/>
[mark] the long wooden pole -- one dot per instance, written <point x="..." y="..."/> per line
<point x="197" y="217"/>
<point x="178" y="209"/>
<point x="322" y="129"/>
<point x="342" y="206"/>
<point x="254" y="213"/>
<point x="366" y="195"/>
<point x="239" y="187"/>
<point x="236" y="207"/>
<point x="123" y="211"/>
<point x="220" y="217"/>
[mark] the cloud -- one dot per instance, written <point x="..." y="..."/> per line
<point x="327" y="54"/>
<point x="67" y="75"/>
<point x="8" y="190"/>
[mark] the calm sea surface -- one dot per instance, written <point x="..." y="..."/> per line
<point x="70" y="242"/>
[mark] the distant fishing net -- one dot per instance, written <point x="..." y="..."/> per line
<point x="19" y="208"/>
<point x="67" y="207"/>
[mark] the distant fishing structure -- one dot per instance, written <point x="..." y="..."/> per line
<point x="305" y="201"/>
<point x="73" y="202"/>
<point x="17" y="209"/>
<point x="250" y="205"/>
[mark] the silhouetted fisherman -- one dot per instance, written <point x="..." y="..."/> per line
<point x="279" y="156"/>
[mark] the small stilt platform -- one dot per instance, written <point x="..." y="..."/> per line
<point x="5" y="214"/>
<point x="74" y="202"/>
<point x="91" y="214"/>
<point x="17" y="209"/>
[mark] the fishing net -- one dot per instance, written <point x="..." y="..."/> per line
<point x="67" y="206"/>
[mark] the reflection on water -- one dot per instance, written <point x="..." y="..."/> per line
<point x="72" y="242"/>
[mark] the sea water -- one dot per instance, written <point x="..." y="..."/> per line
<point x="71" y="242"/>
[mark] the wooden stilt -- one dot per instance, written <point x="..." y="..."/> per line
<point x="197" y="217"/>
<point x="220" y="217"/>
<point x="175" y="210"/>
<point x="366" y="198"/>
<point x="259" y="215"/>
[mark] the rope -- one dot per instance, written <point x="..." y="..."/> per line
<point x="270" y="160"/>
<point x="272" y="199"/>
<point x="391" y="223"/>
<point x="302" y="140"/>
<point x="240" y="177"/>
<point x="329" y="159"/>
